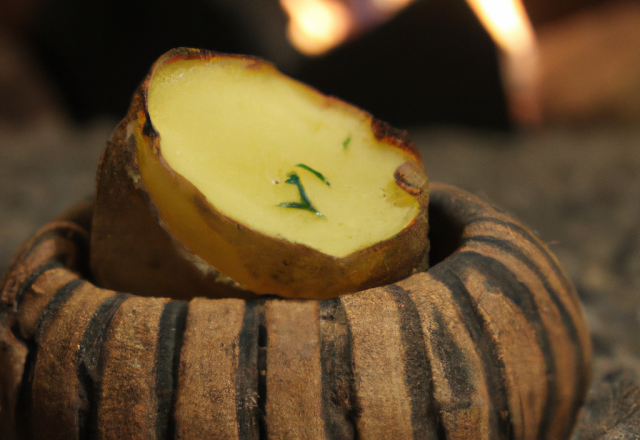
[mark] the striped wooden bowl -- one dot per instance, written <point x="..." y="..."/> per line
<point x="489" y="343"/>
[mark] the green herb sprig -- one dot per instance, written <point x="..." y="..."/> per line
<point x="314" y="172"/>
<point x="304" y="202"/>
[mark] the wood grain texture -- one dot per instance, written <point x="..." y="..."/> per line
<point x="382" y="394"/>
<point x="56" y="376"/>
<point x="468" y="402"/>
<point x="293" y="371"/>
<point x="488" y="343"/>
<point x="207" y="395"/>
<point x="126" y="392"/>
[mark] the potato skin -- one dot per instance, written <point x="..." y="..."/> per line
<point x="132" y="247"/>
<point x="130" y="251"/>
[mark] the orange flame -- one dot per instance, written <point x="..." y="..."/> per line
<point x="508" y="24"/>
<point x="315" y="26"/>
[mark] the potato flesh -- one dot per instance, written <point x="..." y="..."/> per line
<point x="237" y="133"/>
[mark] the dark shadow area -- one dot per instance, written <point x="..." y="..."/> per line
<point x="433" y="63"/>
<point x="445" y="232"/>
<point x="98" y="52"/>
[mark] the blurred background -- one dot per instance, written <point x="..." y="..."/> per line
<point x="534" y="105"/>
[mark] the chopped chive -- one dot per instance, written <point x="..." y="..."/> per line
<point x="297" y="205"/>
<point x="294" y="179"/>
<point x="304" y="203"/>
<point x="315" y="173"/>
<point x="294" y="205"/>
<point x="346" y="142"/>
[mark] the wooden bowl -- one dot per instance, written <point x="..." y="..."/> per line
<point x="489" y="343"/>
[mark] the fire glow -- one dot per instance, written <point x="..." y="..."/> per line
<point x="507" y="23"/>
<point x="509" y="26"/>
<point x="315" y="26"/>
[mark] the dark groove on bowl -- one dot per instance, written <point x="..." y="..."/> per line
<point x="32" y="278"/>
<point x="247" y="410"/>
<point x="567" y="321"/>
<point x="89" y="371"/>
<point x="263" y="341"/>
<point x="170" y="339"/>
<point x="24" y="405"/>
<point x="494" y="368"/>
<point x="337" y="371"/>
<point x="417" y="366"/>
